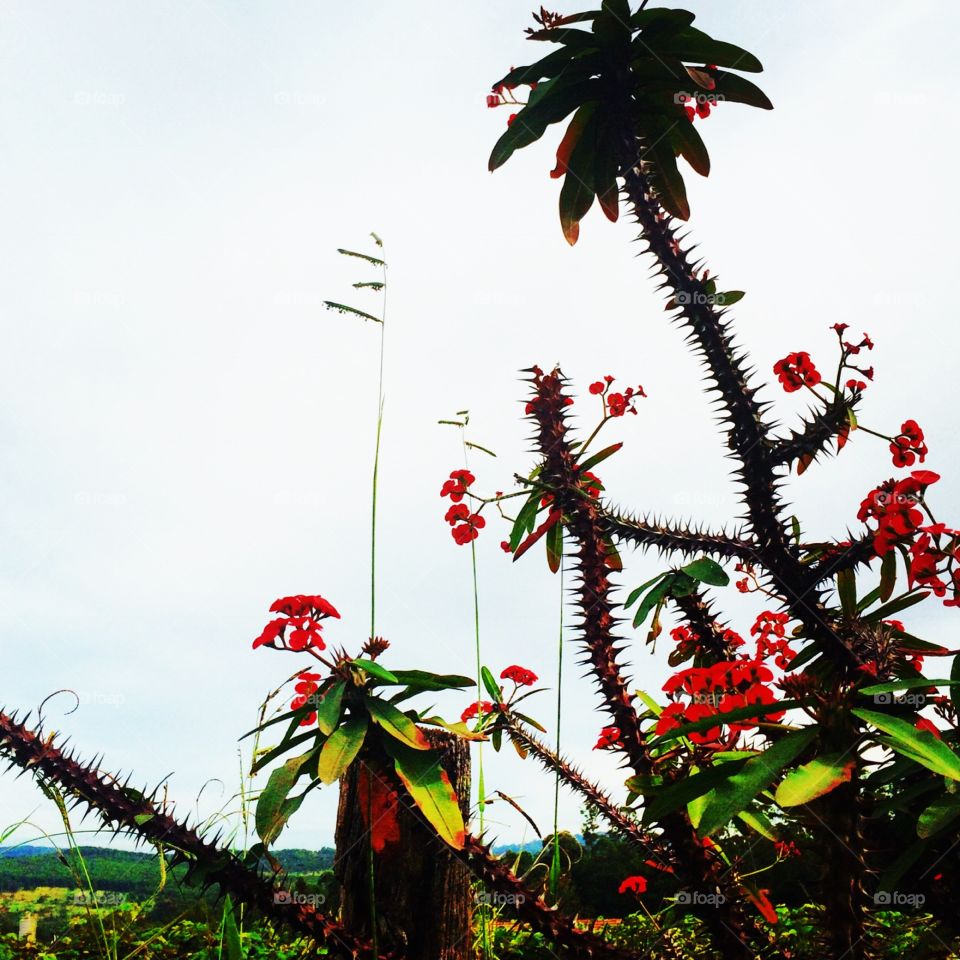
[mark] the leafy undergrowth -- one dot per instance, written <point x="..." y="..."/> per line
<point x="897" y="935"/>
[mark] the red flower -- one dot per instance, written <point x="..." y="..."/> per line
<point x="796" y="370"/>
<point x="857" y="385"/>
<point x="456" y="486"/>
<point x="690" y="112"/>
<point x="908" y="445"/>
<point x="302" y="606"/>
<point x="924" y="724"/>
<point x="469" y="529"/>
<point x="511" y="118"/>
<point x="493" y="100"/>
<point x="505" y="546"/>
<point x="597" y="387"/>
<point x="482" y="707"/>
<point x="636" y="885"/>
<point x="272" y="632"/>
<point x="703" y="109"/>
<point x="609" y="737"/>
<point x="519" y="675"/>
<point x="305" y="633"/>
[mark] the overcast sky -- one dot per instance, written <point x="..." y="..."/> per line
<point x="187" y="434"/>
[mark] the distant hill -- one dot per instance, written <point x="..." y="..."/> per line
<point x="129" y="871"/>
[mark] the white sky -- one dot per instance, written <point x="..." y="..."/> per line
<point x="187" y="434"/>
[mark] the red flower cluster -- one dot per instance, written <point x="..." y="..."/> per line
<point x="908" y="445"/>
<point x="477" y="708"/>
<point x="466" y="525"/>
<point x="303" y="616"/>
<point x="796" y="370"/>
<point x="616" y="404"/>
<point x="702" y="106"/>
<point x="305" y="688"/>
<point x="686" y="640"/>
<point x="894" y="505"/>
<point x="521" y="676"/>
<point x="718" y="688"/>
<point x="770" y="629"/>
<point x="456" y="486"/>
<point x="930" y="564"/>
<point x="609" y="737"/>
<point x="636" y="885"/>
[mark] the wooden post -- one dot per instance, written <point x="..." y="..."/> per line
<point x="422" y="896"/>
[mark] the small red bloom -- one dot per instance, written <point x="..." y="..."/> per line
<point x="597" y="387"/>
<point x="519" y="675"/>
<point x="703" y="109"/>
<point x="609" y="737"/>
<point x="796" y="370"/>
<point x="636" y="885"/>
<point x="493" y="100"/>
<point x="483" y="707"/>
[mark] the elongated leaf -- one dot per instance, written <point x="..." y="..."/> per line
<point x="758" y="821"/>
<point x="907" y="684"/>
<point x="728" y="299"/>
<point x="525" y="522"/>
<point x="269" y="817"/>
<point x="429" y="786"/>
<point x="375" y="670"/>
<point x="707" y="571"/>
<point x="459" y="728"/>
<point x="341" y="749"/>
<point x="895" y="606"/>
<point x="847" y="590"/>
<point x="955" y="678"/>
<point x="653" y="598"/>
<point x="738" y="89"/>
<point x="266" y="758"/>
<point x="491" y="685"/>
<point x="591" y="462"/>
<point x="571" y="138"/>
<point x="888" y="576"/>
<point x="684" y="791"/>
<point x="938" y="815"/>
<point x="328" y="710"/>
<point x="578" y="191"/>
<point x="691" y="44"/>
<point x="737" y="793"/>
<point x="397" y="724"/>
<point x="554" y="542"/>
<point x="552" y="519"/>
<point x="432" y="681"/>
<point x="232" y="945"/>
<point x="666" y="178"/>
<point x="918" y="745"/>
<point x="689" y="143"/>
<point x="814" y="779"/>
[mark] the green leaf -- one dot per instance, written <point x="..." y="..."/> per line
<point x="738" y="792"/>
<point x="433" y="681"/>
<point x="938" y="815"/>
<point x="553" y="101"/>
<point x="397" y="724"/>
<point x="375" y="670"/>
<point x="679" y="794"/>
<point x="328" y="709"/>
<point x="232" y="945"/>
<point x="895" y="606"/>
<point x="888" y="576"/>
<point x="591" y="462"/>
<point x="919" y="745"/>
<point x="707" y="571"/>
<point x="759" y="822"/>
<point x="666" y="178"/>
<point x="955" y="677"/>
<point x="554" y="542"/>
<point x="813" y="779"/>
<point x="661" y="21"/>
<point x="847" y="590"/>
<point x="429" y="786"/>
<point x="341" y="749"/>
<point x="270" y="816"/>
<point x="635" y="594"/>
<point x="736" y="89"/>
<point x="361" y="256"/>
<point x="526" y="520"/>
<point x="491" y="685"/>
<point x="654" y="597"/>
<point x="690" y="145"/>
<point x="728" y="299"/>
<point x="553" y="518"/>
<point x="691" y="44"/>
<point x="907" y="684"/>
<point x="578" y="191"/>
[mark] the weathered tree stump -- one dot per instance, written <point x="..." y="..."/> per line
<point x="422" y="893"/>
